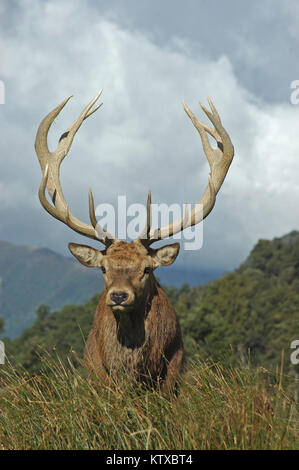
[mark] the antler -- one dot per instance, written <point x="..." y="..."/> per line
<point x="50" y="163"/>
<point x="219" y="161"/>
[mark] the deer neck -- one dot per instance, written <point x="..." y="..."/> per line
<point x="131" y="325"/>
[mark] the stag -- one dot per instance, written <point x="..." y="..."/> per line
<point x="135" y="329"/>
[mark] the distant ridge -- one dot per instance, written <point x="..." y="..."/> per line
<point x="30" y="276"/>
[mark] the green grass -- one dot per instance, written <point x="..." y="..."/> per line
<point x="217" y="408"/>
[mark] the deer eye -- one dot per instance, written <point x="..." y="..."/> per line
<point x="103" y="269"/>
<point x="147" y="270"/>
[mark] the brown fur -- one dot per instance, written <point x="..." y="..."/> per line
<point x="146" y="345"/>
<point x="142" y="340"/>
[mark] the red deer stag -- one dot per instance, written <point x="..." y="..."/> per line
<point x="135" y="328"/>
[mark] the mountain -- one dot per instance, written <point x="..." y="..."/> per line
<point x="32" y="276"/>
<point x="251" y="314"/>
<point x="176" y="276"/>
<point x="277" y="258"/>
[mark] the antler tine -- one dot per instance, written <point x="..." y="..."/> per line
<point x="219" y="160"/>
<point x="146" y="231"/>
<point x="41" y="140"/>
<point x="67" y="137"/>
<point x="102" y="234"/>
<point x="50" y="163"/>
<point x="220" y="135"/>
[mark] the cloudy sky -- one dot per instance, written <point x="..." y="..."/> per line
<point x="148" y="56"/>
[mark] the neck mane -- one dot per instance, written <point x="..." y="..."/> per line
<point x="131" y="330"/>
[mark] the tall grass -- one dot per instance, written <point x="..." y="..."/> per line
<point x="217" y="408"/>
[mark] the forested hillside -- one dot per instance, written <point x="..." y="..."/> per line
<point x="248" y="316"/>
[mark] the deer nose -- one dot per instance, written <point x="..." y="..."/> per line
<point x="119" y="297"/>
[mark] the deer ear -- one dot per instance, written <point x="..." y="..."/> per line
<point x="165" y="255"/>
<point x="86" y="255"/>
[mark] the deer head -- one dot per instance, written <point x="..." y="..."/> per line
<point x="128" y="267"/>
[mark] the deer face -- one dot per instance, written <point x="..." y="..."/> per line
<point x="127" y="269"/>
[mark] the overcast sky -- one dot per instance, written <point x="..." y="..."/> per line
<point x="148" y="56"/>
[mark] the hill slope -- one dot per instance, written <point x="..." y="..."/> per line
<point x="252" y="313"/>
<point x="32" y="276"/>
